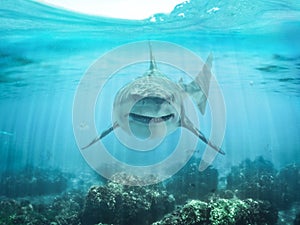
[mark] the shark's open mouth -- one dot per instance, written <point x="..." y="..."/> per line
<point x="147" y="119"/>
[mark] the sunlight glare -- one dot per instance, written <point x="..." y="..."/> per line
<point x="129" y="9"/>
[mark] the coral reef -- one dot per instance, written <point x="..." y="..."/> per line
<point x="252" y="179"/>
<point x="63" y="210"/>
<point x="297" y="219"/>
<point x="83" y="180"/>
<point x="189" y="183"/>
<point x="194" y="212"/>
<point x="254" y="193"/>
<point x="222" y="212"/>
<point x="259" y="179"/>
<point x="120" y="204"/>
<point x="33" y="182"/>
<point x="103" y="224"/>
<point x="289" y="180"/>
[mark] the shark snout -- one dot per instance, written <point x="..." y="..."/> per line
<point x="151" y="99"/>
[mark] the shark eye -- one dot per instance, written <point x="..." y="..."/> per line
<point x="136" y="97"/>
<point x="171" y="99"/>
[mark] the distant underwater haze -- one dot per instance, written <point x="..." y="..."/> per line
<point x="49" y="55"/>
<point x="45" y="52"/>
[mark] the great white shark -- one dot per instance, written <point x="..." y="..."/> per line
<point x="142" y="106"/>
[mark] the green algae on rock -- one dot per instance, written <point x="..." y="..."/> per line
<point x="62" y="210"/>
<point x="194" y="212"/>
<point x="222" y="212"/>
<point x="120" y="204"/>
<point x="259" y="180"/>
<point x="241" y="212"/>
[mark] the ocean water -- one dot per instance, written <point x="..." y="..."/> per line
<point x="45" y="52"/>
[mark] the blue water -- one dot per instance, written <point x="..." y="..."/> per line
<point x="45" y="52"/>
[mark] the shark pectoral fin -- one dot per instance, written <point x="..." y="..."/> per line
<point x="186" y="123"/>
<point x="103" y="134"/>
<point x="199" y="87"/>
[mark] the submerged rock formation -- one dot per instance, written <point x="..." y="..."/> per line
<point x="119" y="204"/>
<point x="222" y="212"/>
<point x="255" y="192"/>
<point x="189" y="183"/>
<point x="297" y="219"/>
<point x="62" y="210"/>
<point x="33" y="182"/>
<point x="259" y="180"/>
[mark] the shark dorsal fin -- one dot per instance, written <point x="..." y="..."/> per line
<point x="153" y="65"/>
<point x="153" y="70"/>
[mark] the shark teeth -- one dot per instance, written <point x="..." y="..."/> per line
<point x="148" y="119"/>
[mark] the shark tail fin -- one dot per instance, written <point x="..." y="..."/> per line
<point x="203" y="80"/>
<point x="199" y="88"/>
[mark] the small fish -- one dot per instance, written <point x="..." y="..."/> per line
<point x="193" y="185"/>
<point x="6" y="133"/>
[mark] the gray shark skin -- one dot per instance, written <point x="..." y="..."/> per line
<point x="153" y="100"/>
